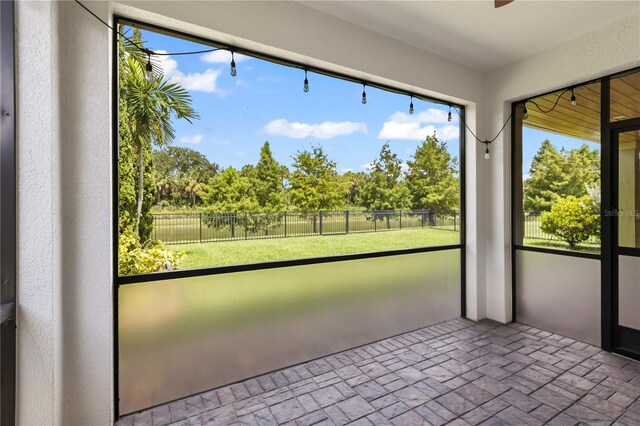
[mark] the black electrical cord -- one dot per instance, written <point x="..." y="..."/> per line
<point x="542" y="110"/>
<point x="474" y="135"/>
<point x="144" y="49"/>
<point x="554" y="105"/>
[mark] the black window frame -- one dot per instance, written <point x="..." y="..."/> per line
<point x="8" y="272"/>
<point x="610" y="337"/>
<point x="157" y="276"/>
<point x="119" y="280"/>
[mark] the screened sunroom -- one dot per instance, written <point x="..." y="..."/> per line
<point x="308" y="212"/>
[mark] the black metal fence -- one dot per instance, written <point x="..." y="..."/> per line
<point x="532" y="229"/>
<point x="212" y="227"/>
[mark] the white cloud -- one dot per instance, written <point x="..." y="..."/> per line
<point x="222" y="57"/>
<point x="347" y="170"/>
<point x="190" y="140"/>
<point x="367" y="166"/>
<point x="324" y="130"/>
<point x="416" y="127"/>
<point x="198" y="82"/>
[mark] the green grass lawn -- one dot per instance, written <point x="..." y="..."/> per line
<point x="251" y="251"/>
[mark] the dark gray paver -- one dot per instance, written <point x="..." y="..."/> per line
<point x="458" y="372"/>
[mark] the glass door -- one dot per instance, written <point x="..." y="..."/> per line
<point x="626" y="143"/>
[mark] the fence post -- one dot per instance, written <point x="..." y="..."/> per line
<point x="246" y="223"/>
<point x="320" y="216"/>
<point x="454" y="220"/>
<point x="400" y="219"/>
<point x="285" y="224"/>
<point x="200" y="226"/>
<point x="346" y="218"/>
<point x="375" y="222"/>
<point x="423" y="218"/>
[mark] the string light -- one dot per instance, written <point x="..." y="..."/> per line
<point x="449" y="115"/>
<point x="411" y="105"/>
<point x="573" y="99"/>
<point x="149" y="69"/>
<point x="364" y="94"/>
<point x="487" y="155"/>
<point x="306" y="82"/>
<point x="233" y="66"/>
<point x="525" y="113"/>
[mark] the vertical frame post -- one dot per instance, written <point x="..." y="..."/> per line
<point x="7" y="217"/>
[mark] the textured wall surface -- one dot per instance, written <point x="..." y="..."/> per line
<point x="64" y="319"/>
<point x="36" y="351"/>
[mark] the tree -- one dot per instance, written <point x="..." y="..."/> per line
<point x="180" y="173"/>
<point x="572" y="219"/>
<point x="582" y="171"/>
<point x="384" y="189"/>
<point x="230" y="192"/>
<point x="432" y="178"/>
<point x="556" y="174"/>
<point x="150" y="108"/>
<point x="232" y="203"/>
<point x="270" y="177"/>
<point x="315" y="183"/>
<point x="354" y="183"/>
<point x="546" y="179"/>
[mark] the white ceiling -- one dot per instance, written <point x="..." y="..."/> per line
<point x="476" y="34"/>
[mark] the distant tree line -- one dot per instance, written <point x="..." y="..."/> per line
<point x="185" y="177"/>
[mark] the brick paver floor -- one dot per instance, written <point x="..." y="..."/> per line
<point x="457" y="372"/>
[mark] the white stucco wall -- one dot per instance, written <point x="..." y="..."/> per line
<point x="65" y="334"/>
<point x="64" y="215"/>
<point x="614" y="47"/>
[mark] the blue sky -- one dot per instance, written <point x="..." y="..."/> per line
<point x="265" y="101"/>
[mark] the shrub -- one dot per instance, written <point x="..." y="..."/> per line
<point x="153" y="257"/>
<point x="572" y="219"/>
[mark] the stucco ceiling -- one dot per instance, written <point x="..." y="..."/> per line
<point x="476" y="34"/>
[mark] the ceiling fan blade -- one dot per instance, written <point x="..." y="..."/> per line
<point x="500" y="3"/>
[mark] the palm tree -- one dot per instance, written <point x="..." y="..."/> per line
<point x="150" y="106"/>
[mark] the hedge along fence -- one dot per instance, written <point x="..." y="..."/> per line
<point x="532" y="230"/>
<point x="215" y="227"/>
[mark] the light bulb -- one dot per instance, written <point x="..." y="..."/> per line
<point x="233" y="66"/>
<point x="449" y="115"/>
<point x="486" y="153"/>
<point x="364" y="95"/>
<point x="306" y="82"/>
<point x="573" y="99"/>
<point x="411" y="106"/>
<point x="525" y="113"/>
<point x="149" y="70"/>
